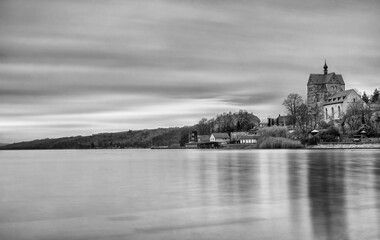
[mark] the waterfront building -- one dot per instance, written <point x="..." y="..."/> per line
<point x="220" y="137"/>
<point x="337" y="104"/>
<point x="321" y="86"/>
<point x="248" y="139"/>
<point x="327" y="93"/>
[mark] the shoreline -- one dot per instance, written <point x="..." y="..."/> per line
<point x="345" y="146"/>
<point x="232" y="147"/>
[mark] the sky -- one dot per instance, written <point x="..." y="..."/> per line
<point x="80" y="67"/>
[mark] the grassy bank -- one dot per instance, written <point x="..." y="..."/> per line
<point x="278" y="142"/>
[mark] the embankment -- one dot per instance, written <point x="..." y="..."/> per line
<point x="346" y="146"/>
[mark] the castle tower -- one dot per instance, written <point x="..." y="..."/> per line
<point x="321" y="86"/>
<point x="325" y="68"/>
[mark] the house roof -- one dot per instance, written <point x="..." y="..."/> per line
<point x="340" y="97"/>
<point x="321" y="79"/>
<point x="220" y="135"/>
<point x="343" y="93"/>
<point x="203" y="138"/>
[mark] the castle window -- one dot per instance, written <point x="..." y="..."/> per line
<point x="338" y="111"/>
<point x="327" y="116"/>
<point x="332" y="112"/>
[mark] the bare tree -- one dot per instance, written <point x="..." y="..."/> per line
<point x="315" y="112"/>
<point x="354" y="116"/>
<point x="203" y="127"/>
<point x="292" y="104"/>
<point x="303" y="120"/>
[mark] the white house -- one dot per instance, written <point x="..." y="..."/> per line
<point x="220" y="137"/>
<point x="337" y="104"/>
<point x="235" y="136"/>
<point x="248" y="139"/>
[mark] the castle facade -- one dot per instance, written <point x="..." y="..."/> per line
<point x="327" y="92"/>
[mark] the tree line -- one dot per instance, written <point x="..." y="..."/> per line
<point x="241" y="121"/>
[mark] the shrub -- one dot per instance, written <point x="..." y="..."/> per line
<point x="314" y="140"/>
<point x="278" y="142"/>
<point x="331" y="135"/>
<point x="274" y="131"/>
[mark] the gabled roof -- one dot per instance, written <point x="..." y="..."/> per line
<point x="339" y="97"/>
<point x="325" y="78"/>
<point x="220" y="135"/>
<point x="343" y="93"/>
<point x="204" y="138"/>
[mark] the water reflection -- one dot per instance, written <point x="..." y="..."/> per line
<point x="376" y="171"/>
<point x="208" y="194"/>
<point x="236" y="178"/>
<point x="297" y="182"/>
<point x="326" y="185"/>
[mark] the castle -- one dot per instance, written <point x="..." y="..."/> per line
<point x="327" y="91"/>
<point x="322" y="86"/>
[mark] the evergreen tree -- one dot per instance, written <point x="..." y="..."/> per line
<point x="365" y="98"/>
<point x="184" y="138"/>
<point x="375" y="96"/>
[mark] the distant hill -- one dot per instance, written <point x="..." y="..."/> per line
<point x="227" y="122"/>
<point x="3" y="144"/>
<point x="129" y="139"/>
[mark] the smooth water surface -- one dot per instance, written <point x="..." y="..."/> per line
<point x="190" y="194"/>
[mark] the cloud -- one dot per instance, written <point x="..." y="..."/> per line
<point x="114" y="65"/>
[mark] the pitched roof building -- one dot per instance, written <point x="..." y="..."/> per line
<point x="219" y="137"/>
<point x="338" y="104"/>
<point x="322" y="86"/>
<point x="327" y="91"/>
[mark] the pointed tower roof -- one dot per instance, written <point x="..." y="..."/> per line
<point x="325" y="67"/>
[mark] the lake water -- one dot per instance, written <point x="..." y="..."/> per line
<point x="190" y="194"/>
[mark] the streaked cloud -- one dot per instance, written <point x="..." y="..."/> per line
<point x="81" y="67"/>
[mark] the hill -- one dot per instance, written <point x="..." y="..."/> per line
<point x="226" y="122"/>
<point x="129" y="139"/>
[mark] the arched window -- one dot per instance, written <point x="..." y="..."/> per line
<point x="327" y="116"/>
<point x="338" y="111"/>
<point x="332" y="112"/>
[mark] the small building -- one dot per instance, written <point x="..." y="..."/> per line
<point x="194" y="136"/>
<point x="314" y="132"/>
<point x="375" y="107"/>
<point x="235" y="136"/>
<point x="203" y="138"/>
<point x="284" y="121"/>
<point x="337" y="104"/>
<point x="279" y="121"/>
<point x="220" y="137"/>
<point x="248" y="139"/>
